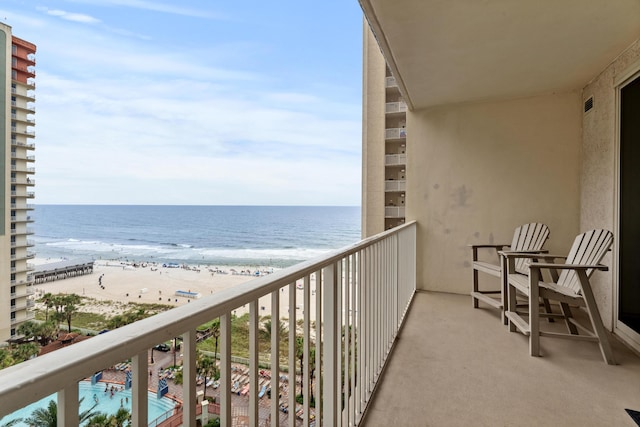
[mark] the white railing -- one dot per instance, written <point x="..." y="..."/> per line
<point x="393" y="185"/>
<point x="351" y="307"/>
<point x="395" y="159"/>
<point x="394" y="211"/>
<point x="390" y="82"/>
<point x="395" y="107"/>
<point x="395" y="133"/>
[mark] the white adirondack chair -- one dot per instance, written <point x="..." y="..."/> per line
<point x="528" y="238"/>
<point x="570" y="288"/>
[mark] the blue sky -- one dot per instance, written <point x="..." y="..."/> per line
<point x="195" y="102"/>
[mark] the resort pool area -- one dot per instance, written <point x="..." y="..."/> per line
<point x="106" y="403"/>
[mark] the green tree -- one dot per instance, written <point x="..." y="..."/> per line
<point x="44" y="417"/>
<point x="6" y="359"/>
<point x="25" y="351"/>
<point x="206" y="366"/>
<point x="215" y="334"/>
<point x="10" y="423"/>
<point x="48" y="417"/>
<point x="47" y="299"/>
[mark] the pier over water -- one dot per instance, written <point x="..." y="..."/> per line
<point x="62" y="270"/>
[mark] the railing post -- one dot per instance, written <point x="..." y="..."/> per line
<point x="68" y="406"/>
<point x="139" y="390"/>
<point x="253" y="363"/>
<point x="292" y="355"/>
<point x="225" y="370"/>
<point x="307" y="345"/>
<point x="329" y="351"/>
<point x="189" y="378"/>
<point x="275" y="357"/>
<point x="318" y="371"/>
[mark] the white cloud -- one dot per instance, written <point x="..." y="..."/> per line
<point x="70" y="16"/>
<point x="140" y="123"/>
<point x="154" y="6"/>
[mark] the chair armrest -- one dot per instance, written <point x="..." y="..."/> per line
<point x="543" y="253"/>
<point x="540" y="265"/>
<point x="488" y="246"/>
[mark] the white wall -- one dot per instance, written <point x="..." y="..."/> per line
<point x="477" y="171"/>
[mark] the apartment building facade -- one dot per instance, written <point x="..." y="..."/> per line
<point x="384" y="130"/>
<point x="17" y="70"/>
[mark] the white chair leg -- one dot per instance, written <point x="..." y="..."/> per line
<point x="596" y="320"/>
<point x="534" y="312"/>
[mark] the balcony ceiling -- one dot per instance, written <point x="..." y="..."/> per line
<point x="452" y="51"/>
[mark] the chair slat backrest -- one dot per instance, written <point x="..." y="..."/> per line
<point x="528" y="237"/>
<point x="588" y="249"/>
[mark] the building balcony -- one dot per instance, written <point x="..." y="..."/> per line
<point x="395" y="133"/>
<point x="390" y="82"/>
<point x="348" y="313"/>
<point x="27" y="145"/>
<point x="455" y="365"/>
<point x="27" y="304"/>
<point x="395" y="185"/>
<point x="395" y="159"/>
<point x="23" y="206"/>
<point x="394" y="212"/>
<point x="395" y="107"/>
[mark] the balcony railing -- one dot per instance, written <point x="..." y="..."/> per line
<point x="395" y="159"/>
<point x="395" y="107"/>
<point x="394" y="211"/>
<point x="392" y="185"/>
<point x="361" y="295"/>
<point x="390" y="82"/>
<point x="395" y="133"/>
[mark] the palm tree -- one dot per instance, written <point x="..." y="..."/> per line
<point x="99" y="420"/>
<point x="120" y="419"/>
<point x="10" y="423"/>
<point x="48" y="417"/>
<point x="6" y="358"/>
<point x="44" y="417"/>
<point x="207" y="367"/>
<point x="47" y="299"/>
<point x="25" y="351"/>
<point x="215" y="333"/>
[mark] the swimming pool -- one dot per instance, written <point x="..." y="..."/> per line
<point x="106" y="403"/>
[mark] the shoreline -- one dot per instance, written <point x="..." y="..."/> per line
<point x="123" y="282"/>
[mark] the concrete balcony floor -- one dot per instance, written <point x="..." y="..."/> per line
<point x="458" y="366"/>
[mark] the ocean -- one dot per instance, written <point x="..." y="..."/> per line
<point x="275" y="236"/>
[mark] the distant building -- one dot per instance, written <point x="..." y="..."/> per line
<point x="17" y="74"/>
<point x="384" y="144"/>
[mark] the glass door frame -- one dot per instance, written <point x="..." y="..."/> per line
<point x="624" y="332"/>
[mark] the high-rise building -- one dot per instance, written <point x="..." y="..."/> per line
<point x="17" y="74"/>
<point x="384" y="144"/>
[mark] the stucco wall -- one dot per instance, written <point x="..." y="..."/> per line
<point x="478" y="171"/>
<point x="598" y="178"/>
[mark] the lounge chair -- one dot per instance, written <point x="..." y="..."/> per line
<point x="526" y="238"/>
<point x="569" y="288"/>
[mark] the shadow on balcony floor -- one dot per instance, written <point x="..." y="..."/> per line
<point x="458" y="366"/>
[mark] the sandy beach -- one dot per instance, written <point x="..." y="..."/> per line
<point x="123" y="282"/>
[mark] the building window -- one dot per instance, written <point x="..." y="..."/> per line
<point x="13" y="315"/>
<point x="14" y="74"/>
<point x="13" y="289"/>
<point x="14" y="49"/>
<point x="13" y="332"/>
